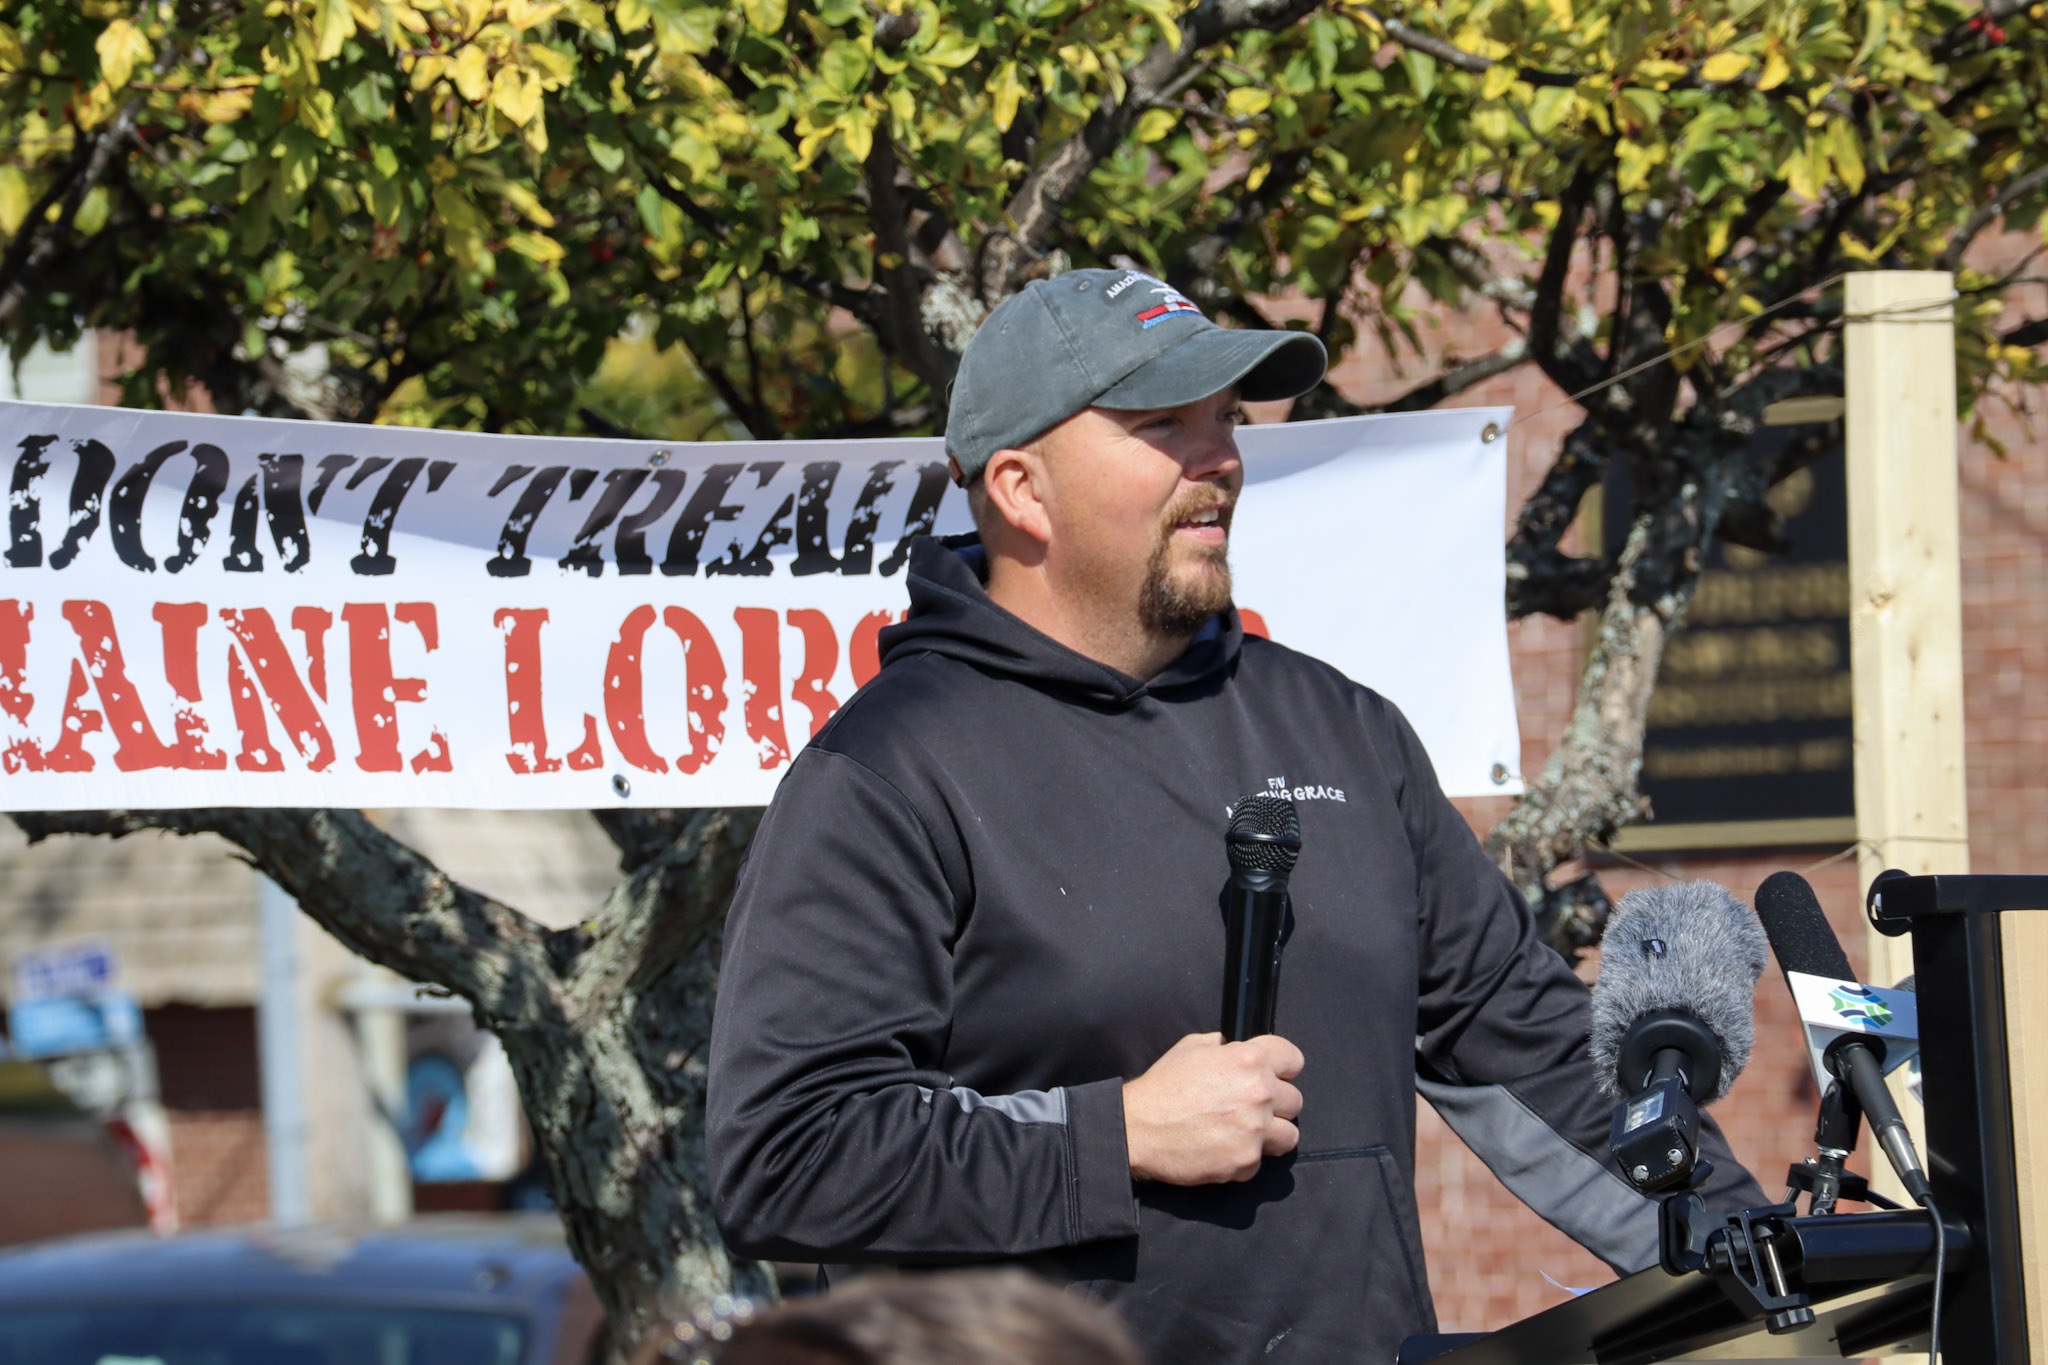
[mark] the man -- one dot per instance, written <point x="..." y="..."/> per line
<point x="976" y="953"/>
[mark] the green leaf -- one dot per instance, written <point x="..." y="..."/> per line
<point x="608" y="155"/>
<point x="765" y="16"/>
<point x="844" y="67"/>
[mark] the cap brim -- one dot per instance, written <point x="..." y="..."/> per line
<point x="1264" y="365"/>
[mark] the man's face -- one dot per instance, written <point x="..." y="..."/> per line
<point x="1140" y="506"/>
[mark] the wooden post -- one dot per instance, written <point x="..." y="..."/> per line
<point x="1905" y="584"/>
<point x="1905" y="633"/>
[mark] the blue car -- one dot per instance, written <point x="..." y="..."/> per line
<point x="497" y="1290"/>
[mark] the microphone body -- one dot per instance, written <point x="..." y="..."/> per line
<point x="1671" y="1021"/>
<point x="1805" y="942"/>
<point x="1254" y="918"/>
<point x="1263" y="841"/>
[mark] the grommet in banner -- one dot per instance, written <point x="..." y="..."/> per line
<point x="621" y="785"/>
<point x="1488" y="434"/>
<point x="658" y="458"/>
<point x="1500" y="776"/>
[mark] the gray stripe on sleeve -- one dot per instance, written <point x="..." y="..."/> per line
<point x="1026" y="1106"/>
<point x="1570" y="1190"/>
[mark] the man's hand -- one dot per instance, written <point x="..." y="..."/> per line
<point x="1209" y="1111"/>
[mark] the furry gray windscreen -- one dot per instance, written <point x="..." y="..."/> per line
<point x="1692" y="947"/>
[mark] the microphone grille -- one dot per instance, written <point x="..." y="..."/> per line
<point x="1265" y="834"/>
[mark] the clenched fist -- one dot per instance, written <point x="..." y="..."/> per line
<point x="1209" y="1111"/>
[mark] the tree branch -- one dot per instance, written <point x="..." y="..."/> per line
<point x="2027" y="333"/>
<point x="43" y="240"/>
<point x="377" y="895"/>
<point x="661" y="914"/>
<point x="2014" y="191"/>
<point x="1452" y="55"/>
<point x="1960" y="35"/>
<point x="1540" y="577"/>
<point x="1040" y="203"/>
<point x="1546" y="305"/>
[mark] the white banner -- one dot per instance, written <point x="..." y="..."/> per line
<point x="221" y="611"/>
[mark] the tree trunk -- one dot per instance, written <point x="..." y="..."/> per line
<point x="606" y="1025"/>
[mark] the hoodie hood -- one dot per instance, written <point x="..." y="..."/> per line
<point x="951" y="614"/>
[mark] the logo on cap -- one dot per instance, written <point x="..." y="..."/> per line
<point x="1176" y="302"/>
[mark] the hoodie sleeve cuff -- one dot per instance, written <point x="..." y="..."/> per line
<point x="1100" y="1202"/>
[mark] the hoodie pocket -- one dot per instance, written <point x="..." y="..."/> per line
<point x="1316" y="1258"/>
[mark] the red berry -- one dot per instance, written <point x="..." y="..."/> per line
<point x="1997" y="34"/>
<point x="491" y="284"/>
<point x="601" y="252"/>
<point x="1976" y="23"/>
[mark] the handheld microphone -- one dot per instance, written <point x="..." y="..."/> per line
<point x="1263" y="841"/>
<point x="1806" y="944"/>
<point x="1671" y="1020"/>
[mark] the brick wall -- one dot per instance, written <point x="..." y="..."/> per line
<point x="207" y="1068"/>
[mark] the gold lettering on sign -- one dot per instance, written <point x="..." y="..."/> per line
<point x="1789" y="592"/>
<point x="1743" y="701"/>
<point x="1776" y="650"/>
<point x="1747" y="760"/>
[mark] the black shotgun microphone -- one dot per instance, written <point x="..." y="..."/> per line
<point x="1805" y="942"/>
<point x="1263" y="841"/>
<point x="1671" y="1021"/>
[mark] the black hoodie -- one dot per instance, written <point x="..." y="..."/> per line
<point x="990" y="891"/>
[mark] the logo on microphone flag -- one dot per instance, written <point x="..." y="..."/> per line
<point x="1859" y="1003"/>
<point x="1830" y="1008"/>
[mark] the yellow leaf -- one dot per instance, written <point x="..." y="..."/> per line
<point x="1847" y="154"/>
<point x="1006" y="93"/>
<point x="514" y="95"/>
<point x="632" y="15"/>
<point x="427" y="70"/>
<point x="1161" y="13"/>
<point x="553" y="68"/>
<point x="333" y="25"/>
<point x="1499" y="78"/>
<point x="1806" y="170"/>
<point x="98" y="103"/>
<point x="471" y="76"/>
<point x="12" y="58"/>
<point x="1658" y="71"/>
<point x="1561" y="10"/>
<point x="122" y="48"/>
<point x="1154" y="124"/>
<point x="527" y="202"/>
<point x="1247" y="100"/>
<point x="1776" y="69"/>
<point x="1725" y="66"/>
<point x="858" y="128"/>
<point x="14" y="198"/>
<point x="225" y="106"/>
<point x="535" y="246"/>
<point x="525" y="14"/>
<point x="316" y="111"/>
<point x="1257" y="176"/>
<point x="765" y="16"/>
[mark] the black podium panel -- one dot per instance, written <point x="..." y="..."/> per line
<point x="1652" y="1315"/>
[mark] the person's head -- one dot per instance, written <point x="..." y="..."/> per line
<point x="969" y="1317"/>
<point x="1094" y="424"/>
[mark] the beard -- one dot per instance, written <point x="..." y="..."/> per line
<point x="1178" y="603"/>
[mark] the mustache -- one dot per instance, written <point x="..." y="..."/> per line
<point x="1196" y="501"/>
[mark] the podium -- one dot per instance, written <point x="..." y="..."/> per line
<point x="1775" y="1286"/>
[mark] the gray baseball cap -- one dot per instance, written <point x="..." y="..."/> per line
<point x="1107" y="339"/>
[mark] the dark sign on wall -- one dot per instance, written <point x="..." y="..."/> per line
<point x="1749" y="730"/>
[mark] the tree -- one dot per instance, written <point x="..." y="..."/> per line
<point x="452" y="206"/>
